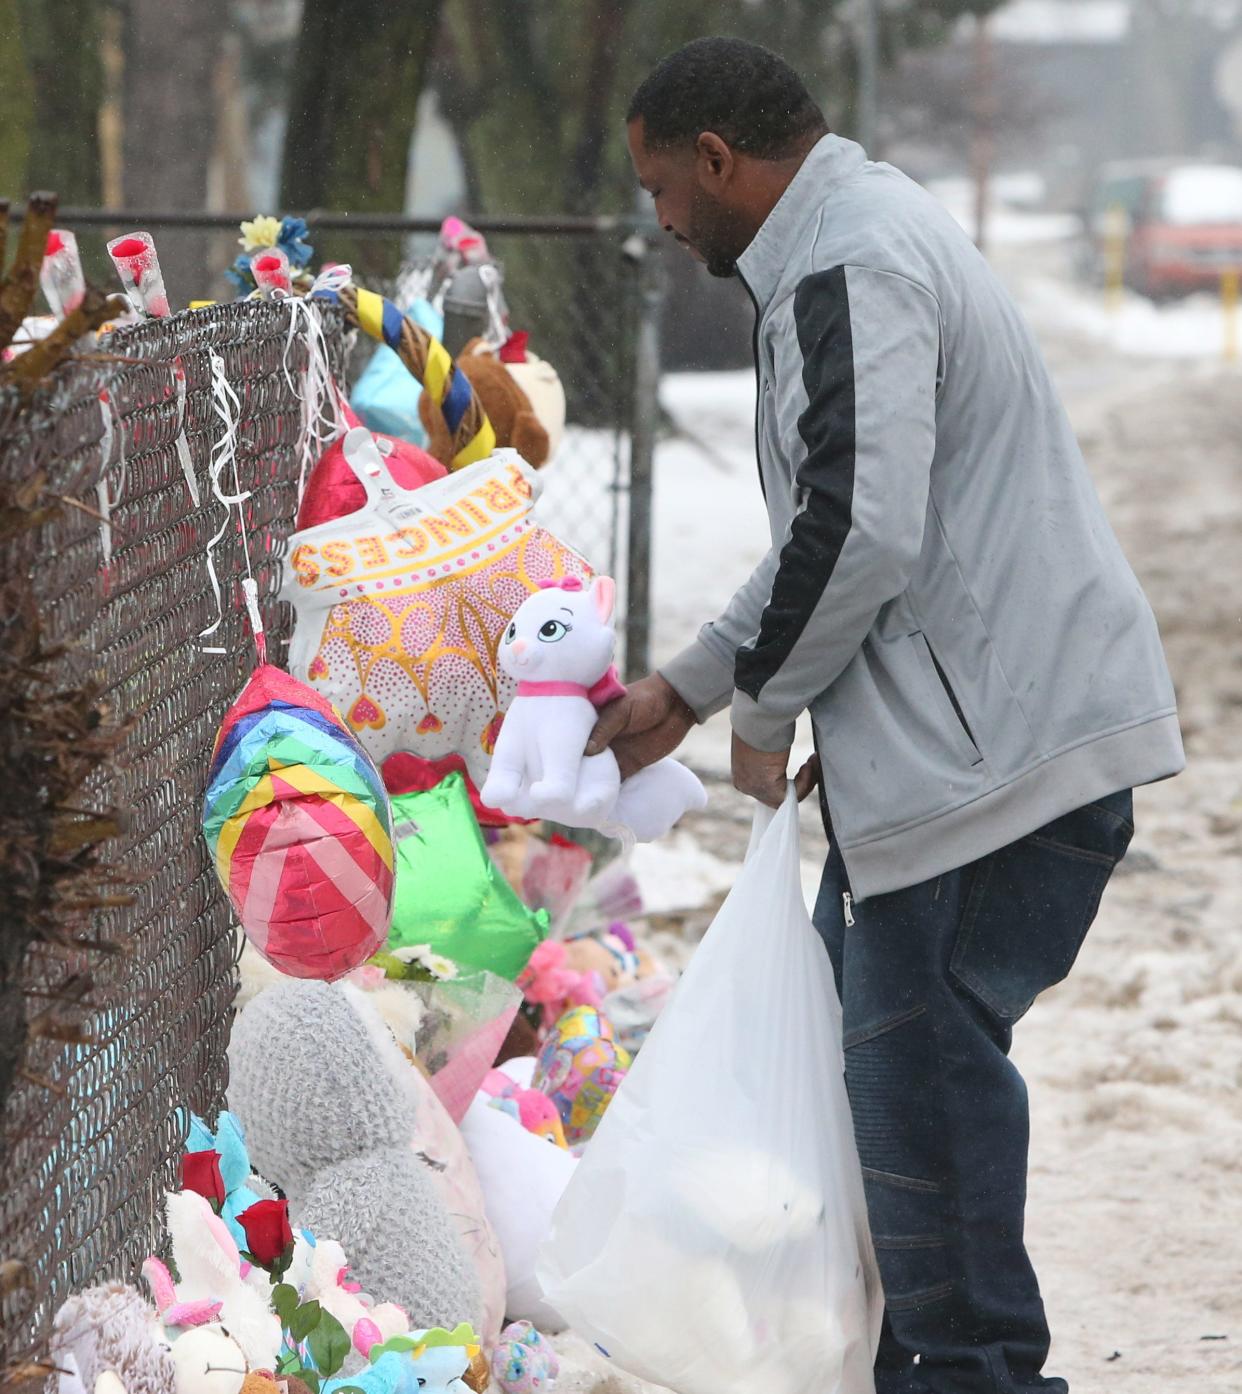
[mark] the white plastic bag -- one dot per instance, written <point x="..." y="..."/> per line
<point x="714" y="1238"/>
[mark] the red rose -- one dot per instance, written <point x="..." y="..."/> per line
<point x="268" y="1234"/>
<point x="200" y="1171"/>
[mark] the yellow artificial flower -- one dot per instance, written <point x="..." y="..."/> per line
<point x="259" y="232"/>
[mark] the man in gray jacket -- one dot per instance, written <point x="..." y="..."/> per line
<point x="984" y="676"/>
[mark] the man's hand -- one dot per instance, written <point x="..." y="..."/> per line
<point x="763" y="774"/>
<point x="644" y="726"/>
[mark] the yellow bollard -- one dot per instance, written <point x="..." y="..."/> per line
<point x="1117" y="231"/>
<point x="1229" y="304"/>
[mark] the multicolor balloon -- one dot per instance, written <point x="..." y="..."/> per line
<point x="299" y="827"/>
<point x="580" y="1068"/>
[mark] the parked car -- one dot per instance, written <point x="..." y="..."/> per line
<point x="1182" y="224"/>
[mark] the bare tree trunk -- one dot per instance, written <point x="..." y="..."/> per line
<point x="16" y="103"/>
<point x="585" y="169"/>
<point x="171" y="48"/>
<point x="62" y="55"/>
<point x="111" y="119"/>
<point x="359" y="73"/>
<point x="228" y="179"/>
<point x="360" y="70"/>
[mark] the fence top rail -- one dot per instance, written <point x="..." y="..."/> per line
<point x="364" y="223"/>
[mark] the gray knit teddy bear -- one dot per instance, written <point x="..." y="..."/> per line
<point x="320" y="1087"/>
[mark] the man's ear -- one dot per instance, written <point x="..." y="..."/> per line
<point x="713" y="160"/>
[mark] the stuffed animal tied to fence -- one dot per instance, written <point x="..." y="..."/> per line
<point x="559" y="648"/>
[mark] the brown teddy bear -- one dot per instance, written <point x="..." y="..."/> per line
<point x="507" y="406"/>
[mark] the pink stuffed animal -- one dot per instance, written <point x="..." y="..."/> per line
<point x="548" y="981"/>
<point x="559" y="647"/>
<point x="533" y="1110"/>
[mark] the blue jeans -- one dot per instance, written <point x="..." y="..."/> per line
<point x="931" y="981"/>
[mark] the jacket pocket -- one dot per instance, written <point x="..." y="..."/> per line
<point x="1030" y="905"/>
<point x="944" y="701"/>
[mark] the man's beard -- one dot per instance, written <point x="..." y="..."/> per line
<point x="716" y="237"/>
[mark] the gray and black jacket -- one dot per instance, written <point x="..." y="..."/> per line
<point x="943" y="592"/>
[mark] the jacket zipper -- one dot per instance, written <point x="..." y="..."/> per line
<point x="847" y="901"/>
<point x="754" y="353"/>
<point x="950" y="694"/>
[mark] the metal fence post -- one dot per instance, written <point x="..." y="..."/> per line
<point x="645" y="410"/>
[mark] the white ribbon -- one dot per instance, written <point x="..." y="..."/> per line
<point x="321" y="420"/>
<point x="332" y="278"/>
<point x="183" y="441"/>
<point x="223" y="454"/>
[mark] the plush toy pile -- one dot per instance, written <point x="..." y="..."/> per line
<point x="368" y="1214"/>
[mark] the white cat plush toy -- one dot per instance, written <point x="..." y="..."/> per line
<point x="559" y="647"/>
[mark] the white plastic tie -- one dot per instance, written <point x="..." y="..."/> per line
<point x="250" y="590"/>
<point x="113" y="433"/>
<point x="183" y="440"/>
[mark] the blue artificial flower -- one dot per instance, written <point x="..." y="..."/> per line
<point x="241" y="276"/>
<point x="292" y="241"/>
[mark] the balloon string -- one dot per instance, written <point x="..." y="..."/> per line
<point x="332" y="278"/>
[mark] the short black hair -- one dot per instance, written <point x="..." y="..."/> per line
<point x="749" y="96"/>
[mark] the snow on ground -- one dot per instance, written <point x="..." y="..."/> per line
<point x="1062" y="21"/>
<point x="1135" y="1062"/>
<point x="1060" y="306"/>
<point x="1191" y="328"/>
<point x="1008" y="223"/>
<point x="679" y="874"/>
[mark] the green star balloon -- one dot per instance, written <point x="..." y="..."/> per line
<point x="450" y="895"/>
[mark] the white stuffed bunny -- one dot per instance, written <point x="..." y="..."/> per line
<point x="559" y="647"/>
<point x="325" y="1268"/>
<point x="214" y="1285"/>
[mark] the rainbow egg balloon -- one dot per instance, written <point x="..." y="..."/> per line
<point x="298" y="824"/>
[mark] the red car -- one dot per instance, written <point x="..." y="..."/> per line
<point x="1183" y="224"/>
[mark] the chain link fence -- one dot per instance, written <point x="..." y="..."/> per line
<point x="588" y="290"/>
<point x="89" y="1133"/>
